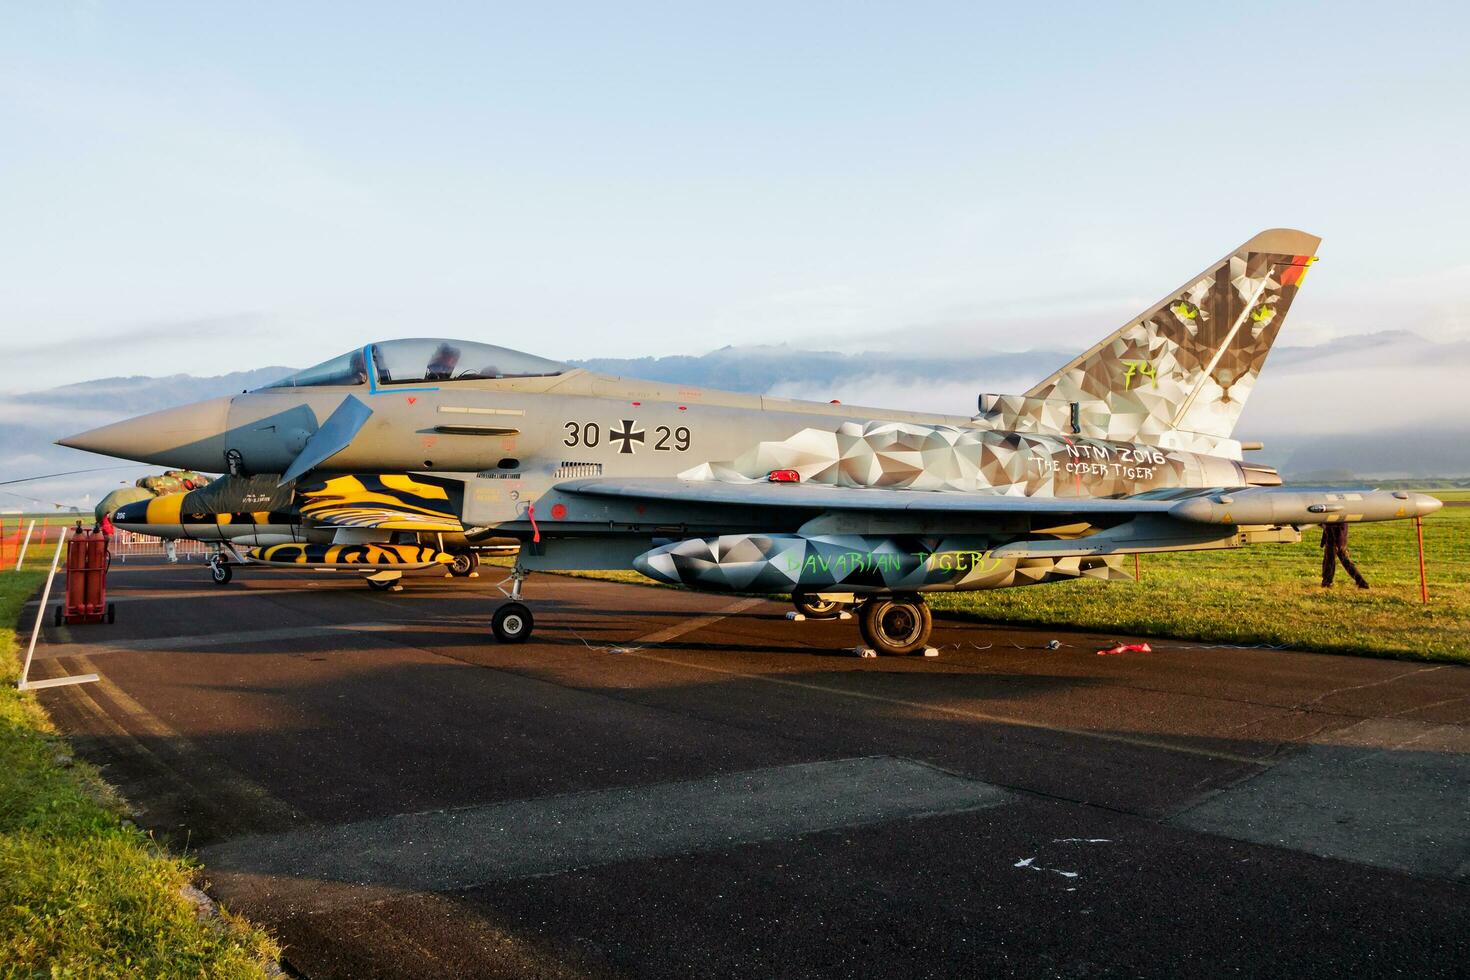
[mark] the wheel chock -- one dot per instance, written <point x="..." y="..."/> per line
<point x="844" y="614"/>
<point x="796" y="617"/>
<point x="867" y="653"/>
<point x="931" y="651"/>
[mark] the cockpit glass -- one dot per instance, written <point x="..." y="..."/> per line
<point x="431" y="360"/>
<point x="349" y="369"/>
<point x="420" y="361"/>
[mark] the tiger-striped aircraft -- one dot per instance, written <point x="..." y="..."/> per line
<point x="1128" y="448"/>
<point x="377" y="525"/>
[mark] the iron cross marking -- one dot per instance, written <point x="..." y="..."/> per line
<point x="627" y="435"/>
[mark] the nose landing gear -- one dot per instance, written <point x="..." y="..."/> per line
<point x="219" y="570"/>
<point x="512" y="622"/>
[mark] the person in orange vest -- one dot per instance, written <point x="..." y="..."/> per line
<point x="1334" y="550"/>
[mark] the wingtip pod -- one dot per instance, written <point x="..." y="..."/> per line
<point x="1275" y="505"/>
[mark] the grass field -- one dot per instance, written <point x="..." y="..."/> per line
<point x="1270" y="594"/>
<point x="82" y="892"/>
<point x="1263" y="595"/>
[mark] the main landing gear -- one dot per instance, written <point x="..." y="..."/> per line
<point x="465" y="563"/>
<point x="896" y="625"/>
<point x="512" y="621"/>
<point x="893" y="625"/>
<point x="384" y="581"/>
<point x="818" y="605"/>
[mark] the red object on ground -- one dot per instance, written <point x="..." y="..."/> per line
<point x="1126" y="648"/>
<point x="783" y="476"/>
<point x="86" y="579"/>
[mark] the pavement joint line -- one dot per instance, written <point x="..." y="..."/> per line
<point x="1138" y="741"/>
<point x="183" y="746"/>
<point x="322" y="867"/>
<point x="160" y="643"/>
<point x="84" y="701"/>
<point x="1307" y="705"/>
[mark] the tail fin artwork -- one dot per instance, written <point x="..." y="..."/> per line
<point x="1179" y="374"/>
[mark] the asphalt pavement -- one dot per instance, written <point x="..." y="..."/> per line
<point x="663" y="783"/>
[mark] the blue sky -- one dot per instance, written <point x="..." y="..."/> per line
<point x="197" y="187"/>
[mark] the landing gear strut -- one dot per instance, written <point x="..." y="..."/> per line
<point x="513" y="622"/>
<point x="896" y="625"/>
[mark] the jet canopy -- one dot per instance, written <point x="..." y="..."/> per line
<point x="420" y="360"/>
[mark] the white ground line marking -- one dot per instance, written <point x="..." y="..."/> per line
<point x="699" y="622"/>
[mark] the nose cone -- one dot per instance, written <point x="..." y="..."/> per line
<point x="1425" y="505"/>
<point x="658" y="565"/>
<point x="190" y="437"/>
<point x="130" y="516"/>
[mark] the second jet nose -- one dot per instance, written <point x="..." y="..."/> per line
<point x="188" y="437"/>
<point x="133" y="513"/>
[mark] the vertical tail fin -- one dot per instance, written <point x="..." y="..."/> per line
<point x="1188" y="363"/>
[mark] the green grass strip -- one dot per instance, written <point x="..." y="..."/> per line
<point x="84" y="893"/>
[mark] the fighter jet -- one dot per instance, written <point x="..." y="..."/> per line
<point x="312" y="524"/>
<point x="1127" y="448"/>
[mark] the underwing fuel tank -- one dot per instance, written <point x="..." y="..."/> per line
<point x="358" y="557"/>
<point x="855" y="563"/>
<point x="1278" y="507"/>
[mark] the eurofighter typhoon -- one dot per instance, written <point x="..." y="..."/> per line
<point x="1126" y="449"/>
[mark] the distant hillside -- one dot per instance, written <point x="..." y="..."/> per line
<point x="34" y="420"/>
<point x="1388" y="405"/>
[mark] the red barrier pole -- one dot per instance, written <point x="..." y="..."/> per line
<point x="1423" y="582"/>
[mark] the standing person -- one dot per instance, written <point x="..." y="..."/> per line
<point x="1334" y="550"/>
<point x="171" y="548"/>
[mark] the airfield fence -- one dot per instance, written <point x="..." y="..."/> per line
<point x="130" y="544"/>
<point x="124" y="544"/>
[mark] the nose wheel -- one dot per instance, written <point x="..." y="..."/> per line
<point x="219" y="572"/>
<point x="896" y="625"/>
<point x="512" y="622"/>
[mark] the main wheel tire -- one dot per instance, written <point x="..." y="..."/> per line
<point x="57" y="616"/>
<point x="464" y="563"/>
<point x="896" y="625"/>
<point x="220" y="573"/>
<point x="512" y="623"/>
<point x="111" y="613"/>
<point x="812" y="606"/>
